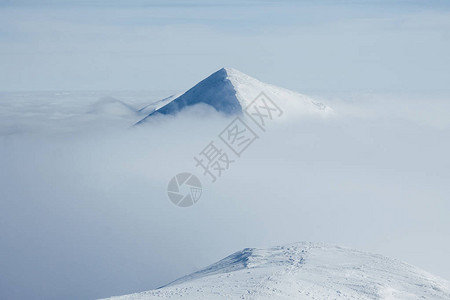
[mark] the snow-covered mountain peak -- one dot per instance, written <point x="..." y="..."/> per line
<point x="304" y="271"/>
<point x="230" y="91"/>
<point x="250" y="258"/>
<point x="227" y="72"/>
<point x="232" y="73"/>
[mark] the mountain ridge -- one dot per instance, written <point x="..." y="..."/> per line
<point x="230" y="91"/>
<point x="303" y="270"/>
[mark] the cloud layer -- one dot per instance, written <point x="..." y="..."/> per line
<point x="85" y="213"/>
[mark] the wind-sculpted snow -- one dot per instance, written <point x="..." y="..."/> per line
<point x="229" y="91"/>
<point x="303" y="271"/>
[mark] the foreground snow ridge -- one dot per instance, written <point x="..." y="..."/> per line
<point x="303" y="271"/>
<point x="229" y="91"/>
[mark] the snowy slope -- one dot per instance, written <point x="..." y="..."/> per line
<point x="304" y="271"/>
<point x="229" y="91"/>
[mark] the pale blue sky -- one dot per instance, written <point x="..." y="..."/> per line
<point x="85" y="214"/>
<point x="148" y="45"/>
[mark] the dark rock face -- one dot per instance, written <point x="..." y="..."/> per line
<point x="216" y="91"/>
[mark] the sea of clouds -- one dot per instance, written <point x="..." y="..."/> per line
<point x="84" y="211"/>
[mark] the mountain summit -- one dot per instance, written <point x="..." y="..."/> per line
<point x="303" y="271"/>
<point x="229" y="91"/>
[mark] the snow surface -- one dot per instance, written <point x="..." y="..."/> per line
<point x="303" y="271"/>
<point x="230" y="91"/>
